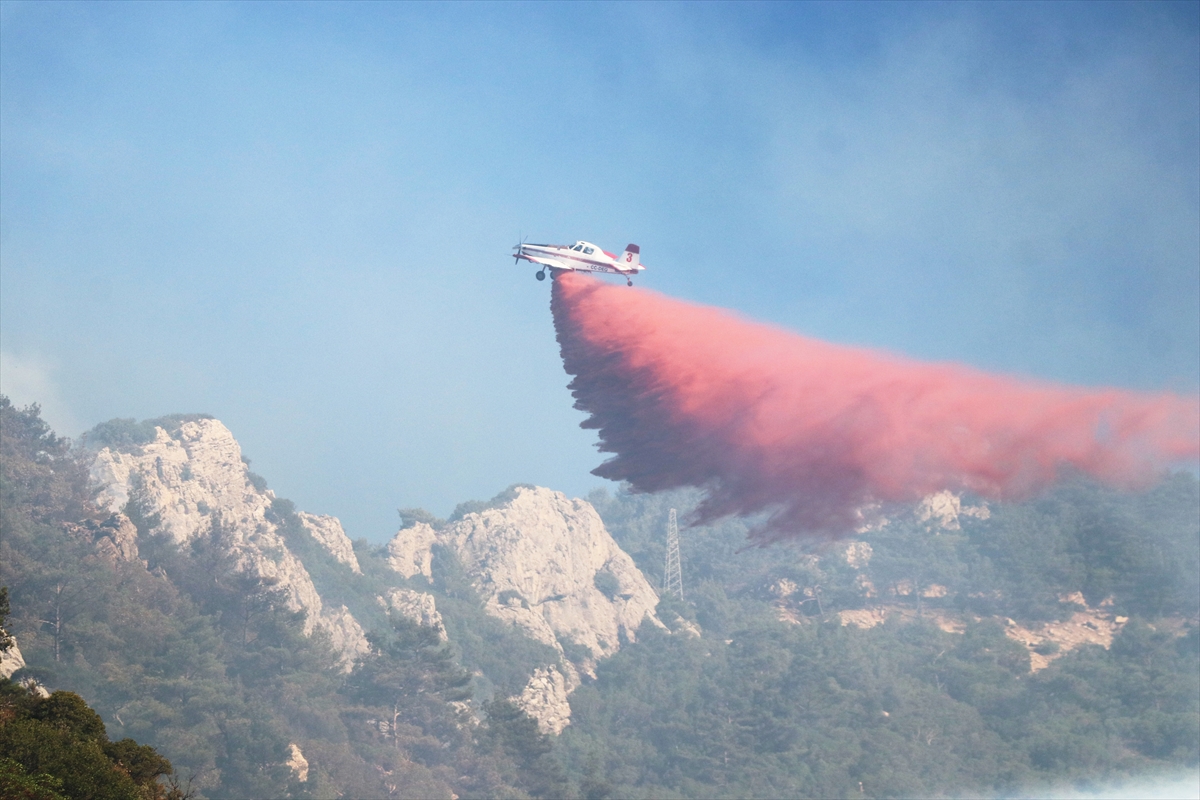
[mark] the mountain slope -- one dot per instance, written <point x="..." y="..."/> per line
<point x="155" y="575"/>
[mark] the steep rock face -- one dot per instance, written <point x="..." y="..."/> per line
<point x="535" y="560"/>
<point x="192" y="482"/>
<point x="329" y="532"/>
<point x="546" y="564"/>
<point x="346" y="634"/>
<point x="410" y="551"/>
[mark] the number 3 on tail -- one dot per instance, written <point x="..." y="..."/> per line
<point x="628" y="258"/>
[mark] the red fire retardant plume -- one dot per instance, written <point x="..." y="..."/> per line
<point x="767" y="420"/>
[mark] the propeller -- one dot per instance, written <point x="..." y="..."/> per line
<point x="517" y="247"/>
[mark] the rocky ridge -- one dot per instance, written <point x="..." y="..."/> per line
<point x="539" y="560"/>
<point x="535" y="559"/>
<point x="192" y="482"/>
<point x="544" y="563"/>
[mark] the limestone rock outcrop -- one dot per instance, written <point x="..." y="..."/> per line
<point x="545" y="699"/>
<point x="535" y="559"/>
<point x="410" y="551"/>
<point x="944" y="508"/>
<point x="115" y="538"/>
<point x="297" y="763"/>
<point x="191" y="482"/>
<point x="858" y="554"/>
<point x="420" y="607"/>
<point x="11" y="660"/>
<point x="346" y="634"/>
<point x="329" y="533"/>
<point x="544" y="563"/>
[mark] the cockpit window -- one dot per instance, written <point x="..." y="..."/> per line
<point x="577" y="247"/>
<point x="588" y="251"/>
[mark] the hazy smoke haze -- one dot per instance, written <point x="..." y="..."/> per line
<point x="768" y="420"/>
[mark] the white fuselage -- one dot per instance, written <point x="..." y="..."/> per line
<point x="581" y="256"/>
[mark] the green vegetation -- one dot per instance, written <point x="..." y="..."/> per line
<point x="760" y="708"/>
<point x="208" y="667"/>
<point x="130" y="434"/>
<point x="57" y="746"/>
<point x="607" y="584"/>
<point x="54" y="746"/>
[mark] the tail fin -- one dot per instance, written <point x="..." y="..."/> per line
<point x="631" y="257"/>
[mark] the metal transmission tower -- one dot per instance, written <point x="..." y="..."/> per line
<point x="673" y="574"/>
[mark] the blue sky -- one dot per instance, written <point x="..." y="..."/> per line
<point x="296" y="217"/>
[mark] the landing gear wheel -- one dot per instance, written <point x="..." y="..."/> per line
<point x="540" y="275"/>
<point x="628" y="282"/>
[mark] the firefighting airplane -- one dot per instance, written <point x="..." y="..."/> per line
<point x="582" y="256"/>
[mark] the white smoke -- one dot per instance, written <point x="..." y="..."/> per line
<point x="29" y="379"/>
<point x="1168" y="786"/>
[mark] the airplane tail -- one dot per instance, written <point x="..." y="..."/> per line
<point x="631" y="258"/>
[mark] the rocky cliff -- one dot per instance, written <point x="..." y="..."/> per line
<point x="190" y="482"/>
<point x="329" y="534"/>
<point x="544" y="563"/>
<point x="540" y="561"/>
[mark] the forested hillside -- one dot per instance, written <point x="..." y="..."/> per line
<point x="948" y="651"/>
<point x="779" y="696"/>
<point x="212" y="669"/>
